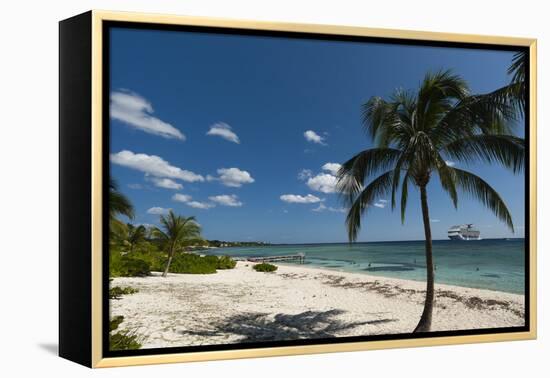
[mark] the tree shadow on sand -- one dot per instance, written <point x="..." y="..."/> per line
<point x="254" y="327"/>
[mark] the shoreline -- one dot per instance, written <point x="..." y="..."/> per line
<point x="381" y="276"/>
<point x="296" y="302"/>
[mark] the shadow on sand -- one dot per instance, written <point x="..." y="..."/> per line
<point x="254" y="327"/>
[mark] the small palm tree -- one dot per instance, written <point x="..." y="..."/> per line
<point x="135" y="236"/>
<point x="178" y="232"/>
<point x="414" y="134"/>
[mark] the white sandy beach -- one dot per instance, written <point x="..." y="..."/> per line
<point x="242" y="305"/>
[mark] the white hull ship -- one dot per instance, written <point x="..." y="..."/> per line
<point x="464" y="232"/>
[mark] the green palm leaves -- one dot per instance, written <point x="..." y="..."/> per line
<point x="417" y="133"/>
<point x="176" y="232"/>
<point x="135" y="235"/>
<point x="119" y="204"/>
<point x="415" y="137"/>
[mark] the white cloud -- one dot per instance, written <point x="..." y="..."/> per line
<point x="296" y="198"/>
<point x="332" y="168"/>
<point x="181" y="197"/>
<point x="135" y="186"/>
<point x="304" y="174"/>
<point x="186" y="199"/>
<point x="200" y="205"/>
<point x="135" y="111"/>
<point x="322" y="207"/>
<point x="158" y="210"/>
<point x="223" y="130"/>
<point x="153" y="165"/>
<point x="312" y="136"/>
<point x="381" y="205"/>
<point x="323" y="182"/>
<point x="383" y="201"/>
<point x="232" y="177"/>
<point x="450" y="163"/>
<point x="226" y="200"/>
<point x="338" y="209"/>
<point x="146" y="225"/>
<point x="166" y="183"/>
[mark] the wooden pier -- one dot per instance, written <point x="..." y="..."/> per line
<point x="300" y="257"/>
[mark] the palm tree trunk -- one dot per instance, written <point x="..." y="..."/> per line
<point x="426" y="319"/>
<point x="170" y="255"/>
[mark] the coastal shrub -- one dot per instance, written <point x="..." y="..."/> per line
<point x="127" y="266"/>
<point x="193" y="264"/>
<point x="226" y="262"/>
<point x="210" y="260"/>
<point x="117" y="291"/>
<point x="115" y="264"/>
<point x="264" y="267"/>
<point x="122" y="340"/>
<point x="133" y="267"/>
<point x="115" y="322"/>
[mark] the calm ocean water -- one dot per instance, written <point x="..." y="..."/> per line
<point x="485" y="264"/>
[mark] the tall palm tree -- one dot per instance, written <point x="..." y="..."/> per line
<point x="178" y="231"/>
<point x="135" y="235"/>
<point x="414" y="135"/>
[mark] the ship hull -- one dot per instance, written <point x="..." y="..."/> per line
<point x="460" y="237"/>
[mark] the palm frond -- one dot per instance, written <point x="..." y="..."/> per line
<point x="377" y="188"/>
<point x="118" y="202"/>
<point x="354" y="172"/>
<point x="437" y="94"/>
<point x="482" y="191"/>
<point x="447" y="179"/>
<point x="507" y="150"/>
<point x="491" y="113"/>
<point x="518" y="67"/>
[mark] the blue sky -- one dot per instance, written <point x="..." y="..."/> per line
<point x="243" y="132"/>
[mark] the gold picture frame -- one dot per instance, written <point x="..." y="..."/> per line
<point x="94" y="23"/>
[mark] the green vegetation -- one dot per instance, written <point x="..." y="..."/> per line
<point x="122" y="340"/>
<point x="265" y="267"/>
<point x="117" y="291"/>
<point x="148" y="257"/>
<point x="226" y="262"/>
<point x="178" y="232"/>
<point x="115" y="322"/>
<point x="416" y="133"/>
<point x="119" y="204"/>
<point x="135" y="251"/>
<point x="135" y="236"/>
<point x="127" y="266"/>
<point x="221" y="244"/>
<point x="193" y="264"/>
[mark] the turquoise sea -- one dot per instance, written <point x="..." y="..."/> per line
<point x="493" y="264"/>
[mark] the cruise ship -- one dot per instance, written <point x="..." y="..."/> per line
<point x="464" y="232"/>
